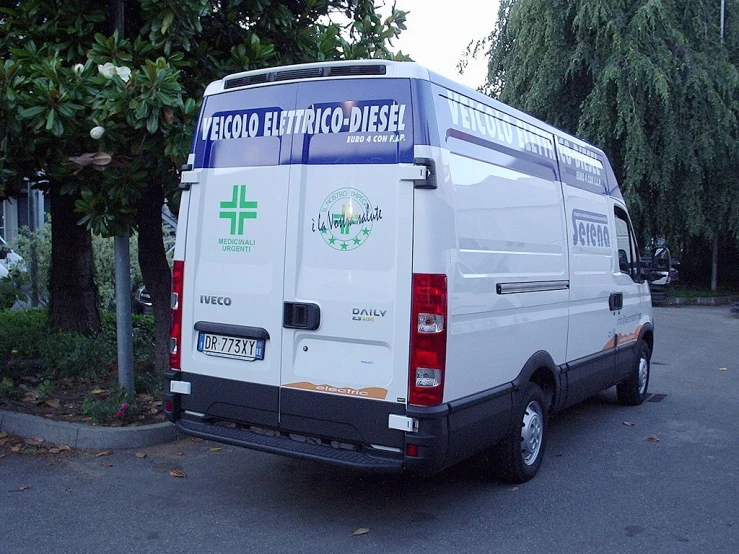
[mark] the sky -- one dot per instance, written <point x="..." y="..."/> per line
<point x="440" y="30"/>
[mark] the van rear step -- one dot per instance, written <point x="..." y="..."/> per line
<point x="240" y="436"/>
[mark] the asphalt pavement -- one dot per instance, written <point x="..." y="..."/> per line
<point x="604" y="485"/>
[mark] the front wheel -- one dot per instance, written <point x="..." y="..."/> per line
<point x="633" y="391"/>
<point x="518" y="457"/>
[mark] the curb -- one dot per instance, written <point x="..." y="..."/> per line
<point x="79" y="435"/>
<point x="696" y="301"/>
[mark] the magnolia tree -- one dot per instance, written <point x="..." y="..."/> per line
<point x="103" y="119"/>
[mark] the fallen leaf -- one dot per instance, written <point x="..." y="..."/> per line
<point x="35" y="441"/>
<point x="628" y="424"/>
<point x="215" y="449"/>
<point x="196" y="439"/>
<point x="141" y="454"/>
<point x="16" y="448"/>
<point x="64" y="447"/>
<point x="104" y="453"/>
<point x="3" y="434"/>
<point x="722" y="368"/>
<point x="97" y="391"/>
<point x="513" y="489"/>
<point x="145" y="397"/>
<point x="107" y="464"/>
<point x="653" y="438"/>
<point x="54" y="451"/>
<point x="176" y="473"/>
<point x="41" y="452"/>
<point x="23" y="488"/>
<point x="168" y="115"/>
<point x="361" y="531"/>
<point x="53" y="403"/>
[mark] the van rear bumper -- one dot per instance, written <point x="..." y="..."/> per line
<point x="281" y="443"/>
<point x="338" y="430"/>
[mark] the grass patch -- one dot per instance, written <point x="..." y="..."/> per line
<point x="699" y="292"/>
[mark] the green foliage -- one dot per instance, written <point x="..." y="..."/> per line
<point x="21" y="332"/>
<point x="37" y="244"/>
<point x="45" y="389"/>
<point x="8" y="389"/>
<point x="104" y="262"/>
<point x="24" y="337"/>
<point x="74" y="355"/>
<point x="149" y="382"/>
<point x="70" y="354"/>
<point x="35" y="249"/>
<point x="649" y="81"/>
<point x="11" y="289"/>
<point x="120" y="405"/>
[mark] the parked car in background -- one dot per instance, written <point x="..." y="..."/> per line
<point x="142" y="303"/>
<point x="8" y="258"/>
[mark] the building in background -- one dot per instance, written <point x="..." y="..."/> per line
<point x="28" y="209"/>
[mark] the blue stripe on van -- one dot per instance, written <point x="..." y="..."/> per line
<point x="367" y="121"/>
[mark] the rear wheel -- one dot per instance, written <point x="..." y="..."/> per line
<point x="518" y="457"/>
<point x="633" y="391"/>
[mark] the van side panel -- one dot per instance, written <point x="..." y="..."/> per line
<point x="508" y="263"/>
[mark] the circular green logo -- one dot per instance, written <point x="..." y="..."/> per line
<point x="346" y="219"/>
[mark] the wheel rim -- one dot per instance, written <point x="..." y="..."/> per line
<point x="532" y="431"/>
<point x="643" y="374"/>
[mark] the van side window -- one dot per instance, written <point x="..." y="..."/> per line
<point x="627" y="252"/>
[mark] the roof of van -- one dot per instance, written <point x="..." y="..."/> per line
<point x="363" y="69"/>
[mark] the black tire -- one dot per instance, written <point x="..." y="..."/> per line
<point x="515" y="459"/>
<point x="633" y="391"/>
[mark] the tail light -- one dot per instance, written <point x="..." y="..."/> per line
<point x="428" y="340"/>
<point x="175" y="330"/>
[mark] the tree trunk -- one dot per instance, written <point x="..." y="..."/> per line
<point x="155" y="269"/>
<point x="714" y="264"/>
<point x="73" y="303"/>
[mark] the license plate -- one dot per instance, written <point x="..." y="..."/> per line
<point x="231" y="347"/>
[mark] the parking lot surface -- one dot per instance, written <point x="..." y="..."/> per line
<point x="661" y="477"/>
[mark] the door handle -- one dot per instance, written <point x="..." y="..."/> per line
<point x="616" y="301"/>
<point x="297" y="315"/>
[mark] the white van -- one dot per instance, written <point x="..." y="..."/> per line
<point x="379" y="268"/>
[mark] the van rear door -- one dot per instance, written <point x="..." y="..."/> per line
<point x="234" y="266"/>
<point x="349" y="262"/>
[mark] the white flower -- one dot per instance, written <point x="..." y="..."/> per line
<point x="107" y="70"/>
<point x="78" y="69"/>
<point x="124" y="73"/>
<point x="97" y="132"/>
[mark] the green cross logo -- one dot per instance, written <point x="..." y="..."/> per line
<point x="345" y="217"/>
<point x="238" y="209"/>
